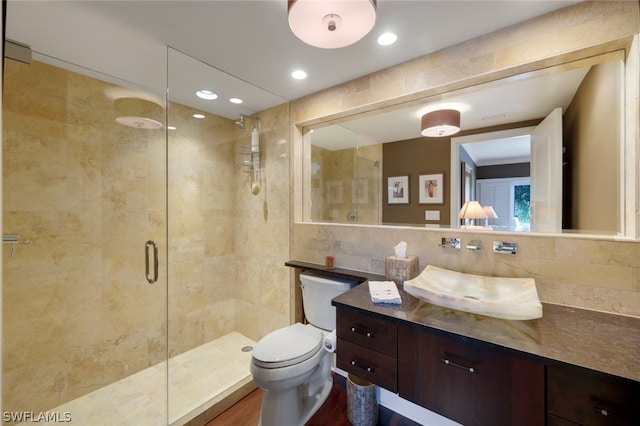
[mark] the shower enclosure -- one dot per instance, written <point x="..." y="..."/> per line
<point x="131" y="294"/>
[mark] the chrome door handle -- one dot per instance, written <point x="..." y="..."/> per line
<point x="154" y="278"/>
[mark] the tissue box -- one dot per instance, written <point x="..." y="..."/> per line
<point x="400" y="270"/>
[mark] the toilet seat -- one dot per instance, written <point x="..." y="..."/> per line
<point x="287" y="346"/>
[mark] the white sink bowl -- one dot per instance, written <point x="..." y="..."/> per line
<point x="507" y="298"/>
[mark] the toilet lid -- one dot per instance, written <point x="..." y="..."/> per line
<point x="287" y="346"/>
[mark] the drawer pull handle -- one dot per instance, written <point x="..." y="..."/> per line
<point x="609" y="414"/>
<point x="463" y="367"/>
<point x="368" y="369"/>
<point x="361" y="331"/>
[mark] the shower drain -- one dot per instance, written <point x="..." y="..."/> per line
<point x="247" y="349"/>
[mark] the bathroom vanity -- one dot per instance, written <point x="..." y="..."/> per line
<point x="572" y="366"/>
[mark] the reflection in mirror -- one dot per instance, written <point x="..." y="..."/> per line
<point x="542" y="149"/>
<point x="345" y="177"/>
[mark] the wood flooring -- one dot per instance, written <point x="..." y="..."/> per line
<point x="333" y="412"/>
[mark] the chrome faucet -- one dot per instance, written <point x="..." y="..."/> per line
<point x="505" y="247"/>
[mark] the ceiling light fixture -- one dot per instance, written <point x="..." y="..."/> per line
<point x="331" y="24"/>
<point x="198" y="116"/>
<point x="387" y="39"/>
<point x="206" y="94"/>
<point x="236" y="101"/>
<point x="299" y="75"/>
<point x="443" y="122"/>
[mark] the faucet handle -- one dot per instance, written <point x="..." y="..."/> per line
<point x="450" y="243"/>
<point x="505" y="247"/>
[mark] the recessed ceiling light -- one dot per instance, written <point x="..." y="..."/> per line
<point x="299" y="75"/>
<point x="171" y="127"/>
<point x="206" y="94"/>
<point x="198" y="116"/>
<point x="235" y="100"/>
<point x="387" y="39"/>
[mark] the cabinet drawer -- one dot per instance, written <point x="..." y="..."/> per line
<point x="366" y="330"/>
<point x="591" y="398"/>
<point x="370" y="365"/>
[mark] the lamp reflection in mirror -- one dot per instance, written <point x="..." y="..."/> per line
<point x="439" y="123"/>
<point x="472" y="210"/>
<point x="491" y="214"/>
<point x="331" y="24"/>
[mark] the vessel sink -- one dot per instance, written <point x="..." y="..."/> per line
<point x="507" y="298"/>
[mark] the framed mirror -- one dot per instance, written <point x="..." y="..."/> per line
<point x="504" y="156"/>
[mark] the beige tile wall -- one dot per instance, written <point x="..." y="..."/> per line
<point x="357" y="177"/>
<point x="201" y="218"/>
<point x="578" y="271"/>
<point x="262" y="232"/>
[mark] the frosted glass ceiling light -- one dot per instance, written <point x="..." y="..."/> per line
<point x="442" y="122"/>
<point x="331" y="24"/>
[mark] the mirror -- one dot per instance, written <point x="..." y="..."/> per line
<point x="544" y="149"/>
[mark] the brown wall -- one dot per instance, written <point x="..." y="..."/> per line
<point x="415" y="157"/>
<point x="591" y="137"/>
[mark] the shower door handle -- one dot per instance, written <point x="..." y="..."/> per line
<point x="151" y="279"/>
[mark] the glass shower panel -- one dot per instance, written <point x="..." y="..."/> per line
<point x="209" y="356"/>
<point x="84" y="190"/>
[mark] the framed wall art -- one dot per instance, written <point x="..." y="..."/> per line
<point x="398" y="190"/>
<point x="431" y="188"/>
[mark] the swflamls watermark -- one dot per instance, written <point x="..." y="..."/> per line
<point x="31" y="416"/>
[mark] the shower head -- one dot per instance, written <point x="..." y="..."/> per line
<point x="240" y="123"/>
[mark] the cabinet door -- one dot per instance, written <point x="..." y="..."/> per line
<point x="469" y="382"/>
<point x="452" y="378"/>
<point x="591" y="398"/>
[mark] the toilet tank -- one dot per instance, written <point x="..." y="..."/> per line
<point x="317" y="292"/>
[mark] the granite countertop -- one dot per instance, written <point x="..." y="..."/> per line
<point x="595" y="340"/>
<point x="599" y="341"/>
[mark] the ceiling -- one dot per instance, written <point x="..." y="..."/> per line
<point x="247" y="46"/>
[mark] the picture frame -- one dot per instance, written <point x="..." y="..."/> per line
<point x="431" y="188"/>
<point x="398" y="190"/>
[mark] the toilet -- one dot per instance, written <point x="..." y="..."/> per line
<point x="290" y="364"/>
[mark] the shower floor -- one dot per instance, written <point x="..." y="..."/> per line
<point x="198" y="379"/>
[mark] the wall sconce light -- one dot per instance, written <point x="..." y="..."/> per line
<point x="471" y="210"/>
<point x="331" y="24"/>
<point x="443" y="122"/>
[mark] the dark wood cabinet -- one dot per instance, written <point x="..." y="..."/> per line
<point x="469" y="381"/>
<point x="475" y="382"/>
<point x="367" y="347"/>
<point x="579" y="396"/>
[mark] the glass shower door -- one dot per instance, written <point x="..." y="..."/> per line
<point x="85" y="240"/>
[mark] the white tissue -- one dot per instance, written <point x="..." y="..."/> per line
<point x="329" y="342"/>
<point x="384" y="292"/>
<point x="401" y="250"/>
